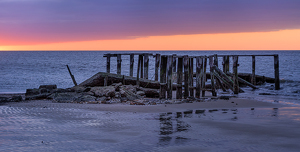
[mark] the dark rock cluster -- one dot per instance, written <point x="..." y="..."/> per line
<point x="115" y="93"/>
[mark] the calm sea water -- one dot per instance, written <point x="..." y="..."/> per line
<point x="22" y="70"/>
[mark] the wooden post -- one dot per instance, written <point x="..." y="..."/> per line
<point x="138" y="72"/>
<point x="179" y="78"/>
<point x="253" y="80"/>
<point x="276" y="68"/>
<point x="163" y="67"/>
<point x="204" y="76"/>
<point x="186" y="76"/>
<point x="199" y="75"/>
<point x="174" y="62"/>
<point x="141" y="65"/>
<point x="216" y="62"/>
<point x="235" y="75"/>
<point x="191" y="77"/>
<point x="146" y="65"/>
<point x="72" y="76"/>
<point x="131" y="64"/>
<point x="225" y="64"/>
<point x="169" y="77"/>
<point x="108" y="63"/>
<point x="212" y="79"/>
<point x="157" y="61"/>
<point x="119" y="60"/>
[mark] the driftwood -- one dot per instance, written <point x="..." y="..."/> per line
<point x="98" y="80"/>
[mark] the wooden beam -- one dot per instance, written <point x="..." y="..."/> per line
<point x="157" y="62"/>
<point x="191" y="75"/>
<point x="169" y="77"/>
<point x="131" y="64"/>
<point x="174" y="62"/>
<point x="199" y="75"/>
<point x="179" y="78"/>
<point x="146" y="65"/>
<point x="163" y="70"/>
<point x="186" y="76"/>
<point x="108" y="63"/>
<point x="204" y="76"/>
<point x="253" y="80"/>
<point x="235" y="75"/>
<point x="119" y="60"/>
<point x="276" y="68"/>
<point x="212" y="79"/>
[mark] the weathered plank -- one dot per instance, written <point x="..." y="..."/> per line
<point x="212" y="79"/>
<point x="253" y="81"/>
<point x="235" y="75"/>
<point x="146" y="65"/>
<point x="157" y="62"/>
<point x="141" y="66"/>
<point x="169" y="76"/>
<point x="174" y="62"/>
<point x="131" y="64"/>
<point x="186" y="76"/>
<point x="199" y="75"/>
<point x="191" y="74"/>
<point x="119" y="60"/>
<point x="163" y="70"/>
<point x="204" y="76"/>
<point x="225" y="64"/>
<point x="179" y="78"/>
<point x="108" y="63"/>
<point x="276" y="68"/>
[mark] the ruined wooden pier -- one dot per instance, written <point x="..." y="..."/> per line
<point x="182" y="67"/>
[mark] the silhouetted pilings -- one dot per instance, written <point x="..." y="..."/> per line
<point x="168" y="67"/>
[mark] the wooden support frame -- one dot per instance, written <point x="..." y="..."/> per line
<point x="191" y="75"/>
<point x="204" y="76"/>
<point x="146" y="65"/>
<point x="199" y="75"/>
<point x="108" y="63"/>
<point x="253" y="79"/>
<point x="276" y="69"/>
<point x="212" y="79"/>
<point x="169" y="76"/>
<point x="119" y="61"/>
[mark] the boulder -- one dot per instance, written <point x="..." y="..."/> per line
<point x="48" y="87"/>
<point x="16" y="99"/>
<point x="4" y="99"/>
<point x="66" y="97"/>
<point x="140" y="93"/>
<point x="31" y="92"/>
<point x="108" y="91"/>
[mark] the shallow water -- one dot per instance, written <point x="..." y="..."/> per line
<point x="73" y="127"/>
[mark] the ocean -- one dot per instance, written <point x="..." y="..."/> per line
<point x="21" y="70"/>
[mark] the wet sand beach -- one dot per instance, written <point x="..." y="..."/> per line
<point x="217" y="125"/>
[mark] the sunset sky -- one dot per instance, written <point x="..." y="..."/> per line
<point x="150" y="25"/>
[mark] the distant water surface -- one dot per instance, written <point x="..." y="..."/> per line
<point x="21" y="70"/>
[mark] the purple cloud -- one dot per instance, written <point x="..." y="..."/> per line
<point x="42" y="21"/>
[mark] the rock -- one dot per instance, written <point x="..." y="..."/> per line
<point x="108" y="91"/>
<point x="48" y="87"/>
<point x="85" y="98"/>
<point x="117" y="86"/>
<point x="38" y="96"/>
<point x="80" y="89"/>
<point x="60" y="90"/>
<point x="266" y="94"/>
<point x="123" y="99"/>
<point x="4" y="99"/>
<point x="150" y="93"/>
<point x="117" y="95"/>
<point x="101" y="99"/>
<point x="66" y="97"/>
<point x="16" y="99"/>
<point x="31" y="92"/>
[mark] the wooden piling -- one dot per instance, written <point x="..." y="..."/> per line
<point x="191" y="75"/>
<point x="216" y="61"/>
<point x="119" y="60"/>
<point x="276" y="68"/>
<point x="169" y="77"/>
<point x="179" y="78"/>
<point x="253" y="80"/>
<point x="235" y="75"/>
<point x="146" y="65"/>
<point x="225" y="64"/>
<point x="138" y="72"/>
<point x="199" y="75"/>
<point x="131" y="64"/>
<point x="204" y="76"/>
<point x="108" y="63"/>
<point x="157" y="61"/>
<point x="72" y="76"/>
<point x="141" y="66"/>
<point x="186" y="76"/>
<point x="163" y="70"/>
<point x="211" y="64"/>
<point x="174" y="62"/>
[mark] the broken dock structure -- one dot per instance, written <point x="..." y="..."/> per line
<point x="174" y="72"/>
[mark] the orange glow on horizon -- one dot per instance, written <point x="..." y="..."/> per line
<point x="275" y="40"/>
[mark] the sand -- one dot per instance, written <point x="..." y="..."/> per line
<point x="215" y="125"/>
